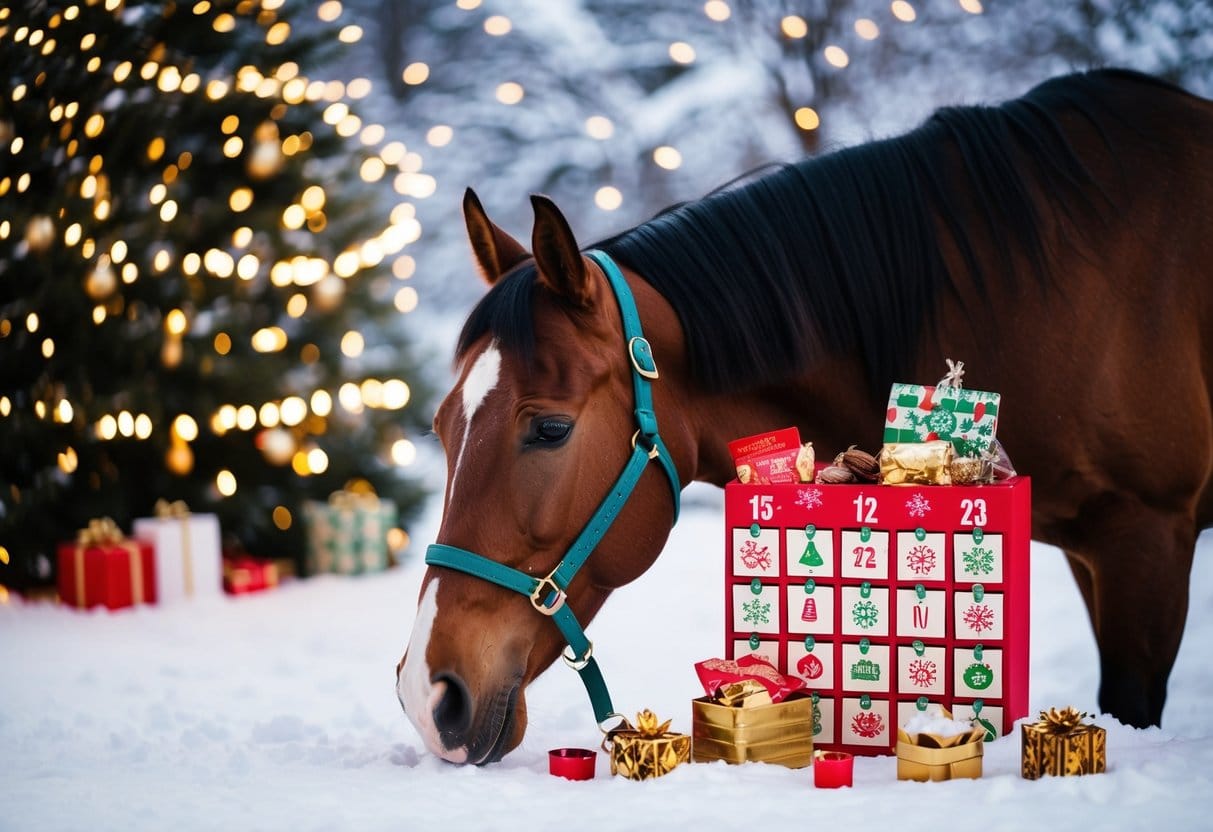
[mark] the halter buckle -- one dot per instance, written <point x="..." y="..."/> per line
<point x="538" y="593"/>
<point x="642" y="357"/>
<point x="574" y="662"/>
<point x="654" y="452"/>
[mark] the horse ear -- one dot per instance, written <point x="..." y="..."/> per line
<point x="496" y="251"/>
<point x="561" y="266"/>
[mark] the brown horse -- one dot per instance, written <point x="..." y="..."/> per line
<point x="1061" y="244"/>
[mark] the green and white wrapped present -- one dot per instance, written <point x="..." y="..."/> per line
<point x="348" y="534"/>
<point x="921" y="413"/>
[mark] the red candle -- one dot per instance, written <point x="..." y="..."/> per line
<point x="832" y="769"/>
<point x="572" y="763"/>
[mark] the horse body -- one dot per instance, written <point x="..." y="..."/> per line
<point x="1104" y="361"/>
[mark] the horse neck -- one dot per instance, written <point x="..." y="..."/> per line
<point x="830" y="406"/>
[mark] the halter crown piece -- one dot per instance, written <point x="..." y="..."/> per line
<point x="548" y="594"/>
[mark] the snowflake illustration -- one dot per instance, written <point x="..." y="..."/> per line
<point x="809" y="498"/>
<point x="978" y="561"/>
<point x="941" y="422"/>
<point x="979" y="618"/>
<point x="865" y="614"/>
<point x="755" y="558"/>
<point x="756" y="611"/>
<point x="922" y="672"/>
<point x="918" y="505"/>
<point x="921" y="560"/>
<point x="867" y="724"/>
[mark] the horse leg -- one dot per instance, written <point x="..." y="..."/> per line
<point x="1137" y="568"/>
<point x="1085" y="580"/>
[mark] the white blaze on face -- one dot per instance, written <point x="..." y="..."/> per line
<point x="476" y="386"/>
<point x="413" y="687"/>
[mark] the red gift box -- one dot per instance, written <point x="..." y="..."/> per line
<point x="244" y="574"/>
<point x="103" y="567"/>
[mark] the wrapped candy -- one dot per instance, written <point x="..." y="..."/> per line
<point x="932" y="747"/>
<point x="916" y="463"/>
<point x="775" y="457"/>
<point x="647" y="750"/>
<point x="716" y="673"/>
<point x="1061" y="743"/>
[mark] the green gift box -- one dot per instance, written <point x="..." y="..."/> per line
<point x="921" y="413"/>
<point x="348" y="534"/>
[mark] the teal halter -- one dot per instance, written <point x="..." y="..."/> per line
<point x="548" y="594"/>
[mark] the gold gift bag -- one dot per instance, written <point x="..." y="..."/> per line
<point x="924" y="756"/>
<point x="646" y="751"/>
<point x="1060" y="743"/>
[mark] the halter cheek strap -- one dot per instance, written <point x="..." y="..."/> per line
<point x="548" y="594"/>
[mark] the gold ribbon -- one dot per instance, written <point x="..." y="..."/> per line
<point x="648" y="725"/>
<point x="178" y="509"/>
<point x="104" y="531"/>
<point x="1060" y="722"/>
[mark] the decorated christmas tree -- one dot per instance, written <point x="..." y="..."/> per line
<point x="203" y="273"/>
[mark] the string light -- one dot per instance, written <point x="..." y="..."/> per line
<point x="667" y="157"/>
<point x="717" y="10"/>
<point x="416" y="73"/>
<point x="509" y="92"/>
<point x="599" y="127"/>
<point x="903" y="11"/>
<point x="110" y="257"/>
<point x="794" y="26"/>
<point x="807" y="118"/>
<point x="682" y="52"/>
<point x="836" y="56"/>
<point x="867" y="29"/>
<point x="971" y="6"/>
<point x="497" y="25"/>
<point x="439" y="135"/>
<point x="608" y="198"/>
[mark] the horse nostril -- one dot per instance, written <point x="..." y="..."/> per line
<point x="453" y="710"/>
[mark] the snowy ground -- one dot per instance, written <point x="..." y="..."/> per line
<point x="277" y="711"/>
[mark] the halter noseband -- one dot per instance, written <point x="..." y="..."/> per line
<point x="548" y="594"/>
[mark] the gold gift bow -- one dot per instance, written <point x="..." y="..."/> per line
<point x="165" y="510"/>
<point x="103" y="531"/>
<point x="1060" y="722"/>
<point x="650" y="730"/>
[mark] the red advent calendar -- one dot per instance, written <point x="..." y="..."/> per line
<point x="884" y="599"/>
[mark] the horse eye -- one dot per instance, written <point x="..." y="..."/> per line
<point x="551" y="430"/>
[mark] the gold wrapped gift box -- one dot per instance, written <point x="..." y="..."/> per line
<point x="646" y="751"/>
<point x="1062" y="744"/>
<point x="781" y="733"/>
<point x="918" y="762"/>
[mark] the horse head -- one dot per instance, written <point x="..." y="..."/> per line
<point x="536" y="430"/>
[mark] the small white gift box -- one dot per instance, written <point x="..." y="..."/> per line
<point x="189" y="561"/>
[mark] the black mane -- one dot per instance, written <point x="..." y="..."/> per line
<point x="841" y="253"/>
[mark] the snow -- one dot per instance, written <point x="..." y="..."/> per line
<point x="934" y="722"/>
<point x="278" y="711"/>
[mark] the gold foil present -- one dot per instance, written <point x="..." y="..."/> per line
<point x="647" y="750"/>
<point x="916" y="463"/>
<point x="971" y="470"/>
<point x="1060" y="743"/>
<point x="929" y="757"/>
<point x="748" y="693"/>
<point x="781" y="733"/>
